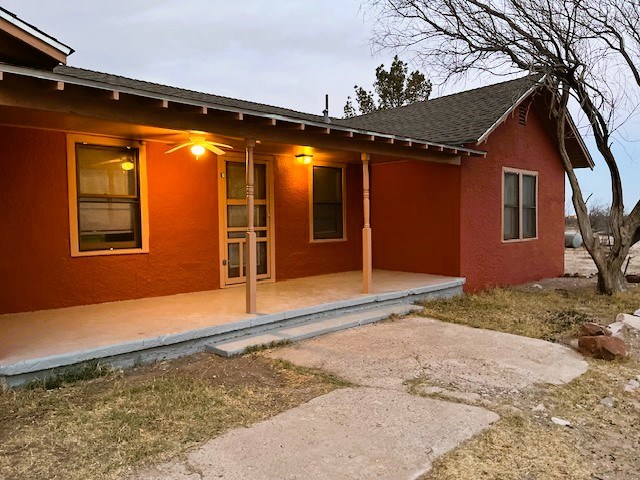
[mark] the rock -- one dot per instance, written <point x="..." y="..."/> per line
<point x="537" y="285"/>
<point x="561" y="421"/>
<point x="592" y="330"/>
<point x="606" y="348"/>
<point x="616" y="329"/>
<point x="539" y="408"/>
<point x="637" y="313"/>
<point x="629" y="320"/>
<point x="608" y="402"/>
<point x="632" y="386"/>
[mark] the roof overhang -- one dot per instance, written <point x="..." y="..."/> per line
<point x="32" y="88"/>
<point x="580" y="155"/>
<point x="24" y="44"/>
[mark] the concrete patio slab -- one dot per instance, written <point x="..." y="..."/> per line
<point x="93" y="330"/>
<point x="354" y="433"/>
<point x="389" y="353"/>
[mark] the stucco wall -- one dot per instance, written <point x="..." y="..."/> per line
<point x="485" y="259"/>
<point x="36" y="269"/>
<point x="296" y="256"/>
<point x="415" y="217"/>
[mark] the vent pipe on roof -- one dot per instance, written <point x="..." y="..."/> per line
<point x="326" y="109"/>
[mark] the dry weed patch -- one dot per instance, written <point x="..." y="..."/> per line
<point x="96" y="428"/>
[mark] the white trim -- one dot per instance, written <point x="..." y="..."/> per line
<point x="506" y="114"/>
<point x="74" y="240"/>
<point x="34" y="32"/>
<point x="520" y="173"/>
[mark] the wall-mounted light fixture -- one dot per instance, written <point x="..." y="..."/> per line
<point x="304" y="158"/>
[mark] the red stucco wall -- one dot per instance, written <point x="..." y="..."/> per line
<point x="296" y="256"/>
<point x="485" y="259"/>
<point x="36" y="269"/>
<point x="415" y="217"/>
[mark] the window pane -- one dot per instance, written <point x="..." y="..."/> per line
<point x="511" y="223"/>
<point x="327" y="203"/>
<point x="260" y="181"/>
<point x="233" y="265"/>
<point x="106" y="170"/>
<point x="237" y="216"/>
<point x="529" y="222"/>
<point x="236" y="181"/>
<point x="528" y="191"/>
<point x="261" y="257"/>
<point x="105" y="224"/>
<point x="327" y="221"/>
<point x="511" y="189"/>
<point x="327" y="185"/>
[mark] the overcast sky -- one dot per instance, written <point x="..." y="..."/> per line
<point x="282" y="52"/>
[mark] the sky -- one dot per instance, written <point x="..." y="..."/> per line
<point x="288" y="53"/>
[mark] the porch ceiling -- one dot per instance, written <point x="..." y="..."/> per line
<point x="43" y="100"/>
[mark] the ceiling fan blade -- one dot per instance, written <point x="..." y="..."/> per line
<point x="213" y="148"/>
<point x="182" y="145"/>
<point x="223" y="145"/>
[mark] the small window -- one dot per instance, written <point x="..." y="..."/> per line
<point x="105" y="195"/>
<point x="328" y="203"/>
<point x="520" y="215"/>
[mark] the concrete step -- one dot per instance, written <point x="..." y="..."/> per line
<point x="309" y="329"/>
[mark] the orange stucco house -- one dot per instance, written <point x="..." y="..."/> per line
<point x="94" y="208"/>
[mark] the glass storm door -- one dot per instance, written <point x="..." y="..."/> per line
<point x="234" y="221"/>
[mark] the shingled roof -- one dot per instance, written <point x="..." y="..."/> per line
<point x="457" y="119"/>
<point x="189" y="95"/>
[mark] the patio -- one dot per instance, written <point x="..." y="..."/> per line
<point x="41" y="340"/>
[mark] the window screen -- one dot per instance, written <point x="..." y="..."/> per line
<point x="511" y="206"/>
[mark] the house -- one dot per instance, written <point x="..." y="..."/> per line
<point x="97" y="204"/>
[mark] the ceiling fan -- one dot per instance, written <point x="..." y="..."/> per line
<point x="200" y="145"/>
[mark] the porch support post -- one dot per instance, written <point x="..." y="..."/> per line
<point x="367" y="262"/>
<point x="251" y="285"/>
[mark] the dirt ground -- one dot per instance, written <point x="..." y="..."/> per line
<point x="577" y="261"/>
<point x="106" y="426"/>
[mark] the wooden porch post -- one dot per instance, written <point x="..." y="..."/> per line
<point x="367" y="262"/>
<point x="251" y="285"/>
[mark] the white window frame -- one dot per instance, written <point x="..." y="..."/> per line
<point x="520" y="174"/>
<point x="343" y="167"/>
<point x="72" y="140"/>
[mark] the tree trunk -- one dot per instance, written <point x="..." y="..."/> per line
<point x="611" y="278"/>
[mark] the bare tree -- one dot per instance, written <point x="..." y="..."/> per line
<point x="588" y="52"/>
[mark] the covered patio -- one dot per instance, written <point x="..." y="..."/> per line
<point x="46" y="339"/>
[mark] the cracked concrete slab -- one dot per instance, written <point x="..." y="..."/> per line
<point x="469" y="359"/>
<point x="355" y="433"/>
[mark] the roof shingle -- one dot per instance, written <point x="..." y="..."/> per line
<point x="456" y="119"/>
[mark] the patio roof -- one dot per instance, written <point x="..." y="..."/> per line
<point x="242" y="113"/>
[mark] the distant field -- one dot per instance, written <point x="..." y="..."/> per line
<point x="577" y="260"/>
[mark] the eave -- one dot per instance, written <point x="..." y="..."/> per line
<point x="289" y="128"/>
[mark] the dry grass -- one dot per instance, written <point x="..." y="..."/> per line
<point x="98" y="428"/>
<point x="549" y="313"/>
<point x="525" y="445"/>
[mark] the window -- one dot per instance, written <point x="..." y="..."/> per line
<point x="107" y="196"/>
<point x="520" y="205"/>
<point x="328" y="219"/>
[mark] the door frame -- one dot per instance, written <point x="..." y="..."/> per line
<point x="268" y="160"/>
